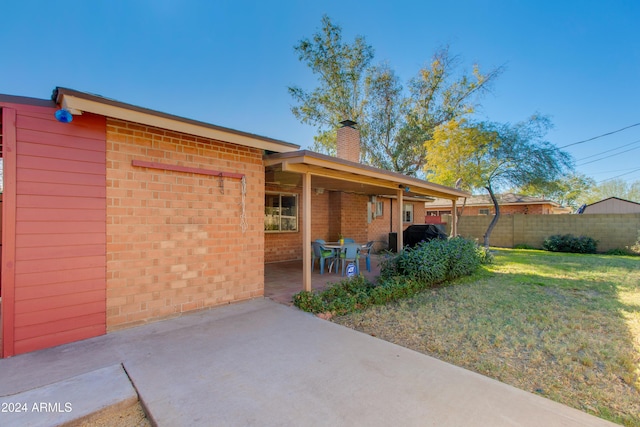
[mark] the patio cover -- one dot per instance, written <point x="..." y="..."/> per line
<point x="308" y="170"/>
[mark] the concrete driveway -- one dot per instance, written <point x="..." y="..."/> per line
<point x="265" y="364"/>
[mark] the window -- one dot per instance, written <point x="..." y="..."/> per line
<point x="407" y="213"/>
<point x="484" y="212"/>
<point x="281" y="212"/>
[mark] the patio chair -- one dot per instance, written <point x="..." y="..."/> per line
<point x="348" y="240"/>
<point x="319" y="252"/>
<point x="366" y="251"/>
<point x="350" y="253"/>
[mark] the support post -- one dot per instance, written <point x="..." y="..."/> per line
<point x="454" y="219"/>
<point x="306" y="231"/>
<point x="400" y="212"/>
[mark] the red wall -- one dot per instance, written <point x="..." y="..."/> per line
<point x="54" y="293"/>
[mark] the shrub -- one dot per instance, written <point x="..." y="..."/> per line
<point x="435" y="261"/>
<point x="570" y="243"/>
<point x="401" y="276"/>
<point x="309" y="301"/>
<point x="635" y="248"/>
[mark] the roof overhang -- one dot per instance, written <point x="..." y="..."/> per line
<point x="78" y="102"/>
<point x="336" y="174"/>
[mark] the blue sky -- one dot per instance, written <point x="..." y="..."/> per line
<point x="230" y="62"/>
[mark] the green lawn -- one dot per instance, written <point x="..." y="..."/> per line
<point x="564" y="326"/>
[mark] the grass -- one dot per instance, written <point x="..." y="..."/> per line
<point x="564" y="326"/>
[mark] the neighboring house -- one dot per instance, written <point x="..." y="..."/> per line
<point x="510" y="204"/>
<point x="127" y="215"/>
<point x="612" y="205"/>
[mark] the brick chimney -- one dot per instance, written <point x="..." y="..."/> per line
<point x="348" y="142"/>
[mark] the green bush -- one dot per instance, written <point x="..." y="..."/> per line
<point x="401" y="276"/>
<point x="570" y="243"/>
<point x="435" y="261"/>
<point x="635" y="248"/>
<point x="309" y="301"/>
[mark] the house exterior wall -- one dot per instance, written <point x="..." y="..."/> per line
<point x="381" y="226"/>
<point x="531" y="209"/>
<point x="54" y="237"/>
<point x="174" y="239"/>
<point x="612" y="206"/>
<point x="333" y="213"/>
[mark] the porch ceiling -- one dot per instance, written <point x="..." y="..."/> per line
<point x="333" y="174"/>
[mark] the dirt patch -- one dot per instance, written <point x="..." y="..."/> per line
<point x="133" y="416"/>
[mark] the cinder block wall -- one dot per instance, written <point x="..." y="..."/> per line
<point x="611" y="230"/>
<point x="174" y="239"/>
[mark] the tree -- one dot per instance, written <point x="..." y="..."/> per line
<point x="438" y="95"/>
<point x="341" y="72"/>
<point x="613" y="188"/>
<point x="495" y="156"/>
<point x="394" y="123"/>
<point x="382" y="118"/>
<point x="567" y="190"/>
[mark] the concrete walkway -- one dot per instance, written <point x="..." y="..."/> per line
<point x="265" y="364"/>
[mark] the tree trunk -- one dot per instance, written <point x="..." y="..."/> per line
<point x="495" y="219"/>
<point x="461" y="211"/>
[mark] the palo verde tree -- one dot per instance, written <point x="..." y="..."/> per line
<point x="394" y="122"/>
<point x="493" y="156"/>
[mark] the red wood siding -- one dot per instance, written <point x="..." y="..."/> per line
<point x="59" y="284"/>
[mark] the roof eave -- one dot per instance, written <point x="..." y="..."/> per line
<point x="78" y="102"/>
<point x="313" y="159"/>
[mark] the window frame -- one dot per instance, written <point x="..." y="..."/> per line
<point x="406" y="211"/>
<point x="279" y="214"/>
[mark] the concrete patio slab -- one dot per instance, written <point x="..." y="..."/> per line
<point x="77" y="399"/>
<point x="263" y="363"/>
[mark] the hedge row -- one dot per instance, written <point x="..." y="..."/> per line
<point x="403" y="275"/>
<point x="570" y="243"/>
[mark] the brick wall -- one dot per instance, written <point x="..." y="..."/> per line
<point x="611" y="230"/>
<point x="174" y="239"/>
<point x="348" y="144"/>
<point x="381" y="226"/>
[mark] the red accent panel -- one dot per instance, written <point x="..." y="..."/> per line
<point x="70" y="333"/>
<point x="8" y="231"/>
<point x="59" y="230"/>
<point x="176" y="168"/>
<point x="28" y="332"/>
<point x="64" y="288"/>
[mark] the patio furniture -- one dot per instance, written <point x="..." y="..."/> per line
<point x="321" y="253"/>
<point x="348" y="240"/>
<point x="350" y="253"/>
